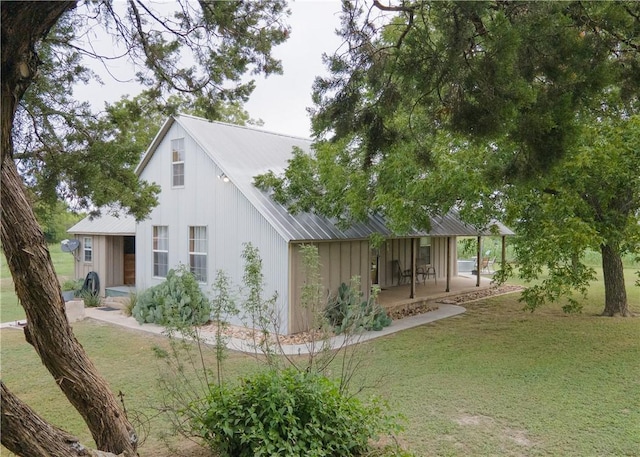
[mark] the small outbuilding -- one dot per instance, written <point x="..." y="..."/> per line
<point x="107" y="246"/>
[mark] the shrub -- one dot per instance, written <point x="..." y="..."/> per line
<point x="90" y="299"/>
<point x="176" y="301"/>
<point x="72" y="285"/>
<point x="287" y="413"/>
<point x="348" y="311"/>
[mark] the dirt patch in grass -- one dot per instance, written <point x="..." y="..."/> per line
<point x="493" y="428"/>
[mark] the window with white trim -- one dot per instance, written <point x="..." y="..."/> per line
<point x="87" y="247"/>
<point x="160" y="250"/>
<point x="177" y="162"/>
<point x="198" y="252"/>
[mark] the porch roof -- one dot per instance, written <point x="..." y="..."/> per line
<point x="106" y="224"/>
<point x="451" y="225"/>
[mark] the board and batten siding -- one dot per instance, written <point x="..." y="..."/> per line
<point x="400" y="249"/>
<point x="340" y="261"/>
<point x="231" y="221"/>
<point x="393" y="249"/>
<point x="439" y="255"/>
<point x="107" y="260"/>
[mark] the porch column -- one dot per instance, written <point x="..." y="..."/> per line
<point x="448" y="265"/>
<point x="504" y="252"/>
<point x="478" y="261"/>
<point x="413" y="268"/>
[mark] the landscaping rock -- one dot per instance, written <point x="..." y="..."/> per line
<point x="74" y="310"/>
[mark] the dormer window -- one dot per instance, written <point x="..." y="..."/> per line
<point x="177" y="162"/>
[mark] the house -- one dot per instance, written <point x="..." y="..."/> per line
<point x="209" y="208"/>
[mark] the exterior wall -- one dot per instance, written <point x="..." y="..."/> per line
<point x="98" y="260"/>
<point x="107" y="260"/>
<point x="340" y="261"/>
<point x="393" y="249"/>
<point x="231" y="221"/>
<point x="439" y="256"/>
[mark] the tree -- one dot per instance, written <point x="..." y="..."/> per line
<point x="134" y="121"/>
<point x="54" y="220"/>
<point x="591" y="199"/>
<point x="224" y="40"/>
<point x="466" y="104"/>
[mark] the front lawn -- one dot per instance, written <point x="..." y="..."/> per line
<point x="10" y="309"/>
<point x="500" y="381"/>
<point x="493" y="381"/>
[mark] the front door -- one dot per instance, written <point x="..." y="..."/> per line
<point x="129" y="260"/>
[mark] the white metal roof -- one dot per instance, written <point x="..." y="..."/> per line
<point x="106" y="224"/>
<point x="243" y="153"/>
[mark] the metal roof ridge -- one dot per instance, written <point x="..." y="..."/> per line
<point x="245" y="127"/>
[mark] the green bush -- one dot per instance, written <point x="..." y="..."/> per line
<point x="287" y="413"/>
<point x="176" y="301"/>
<point x="347" y="311"/>
<point x="90" y="299"/>
<point x="72" y="285"/>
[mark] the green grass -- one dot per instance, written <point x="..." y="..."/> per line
<point x="498" y="381"/>
<point x="125" y="357"/>
<point x="493" y="381"/>
<point x="10" y="309"/>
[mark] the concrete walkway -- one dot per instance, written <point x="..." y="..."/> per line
<point x="115" y="316"/>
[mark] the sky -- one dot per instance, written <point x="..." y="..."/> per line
<point x="279" y="100"/>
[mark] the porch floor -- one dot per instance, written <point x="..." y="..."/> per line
<point x="398" y="296"/>
<point x="119" y="291"/>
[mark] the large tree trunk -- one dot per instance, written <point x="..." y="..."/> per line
<point x="24" y="432"/>
<point x="615" y="293"/>
<point x="23" y="25"/>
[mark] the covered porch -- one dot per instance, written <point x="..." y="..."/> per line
<point x="396" y="297"/>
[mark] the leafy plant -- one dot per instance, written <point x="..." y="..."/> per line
<point x="288" y="412"/>
<point x="71" y="284"/>
<point x="348" y="311"/>
<point x="258" y="310"/>
<point x="293" y="411"/>
<point x="91" y="300"/>
<point x="176" y="301"/>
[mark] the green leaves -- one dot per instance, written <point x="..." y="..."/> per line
<point x="200" y="51"/>
<point x="176" y="302"/>
<point x="289" y="412"/>
<point x="348" y="313"/>
<point x="590" y="200"/>
<point x="521" y="111"/>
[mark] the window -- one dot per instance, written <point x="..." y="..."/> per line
<point x="177" y="162"/>
<point x="88" y="249"/>
<point x="198" y="252"/>
<point x="160" y="250"/>
<point x="425" y="251"/>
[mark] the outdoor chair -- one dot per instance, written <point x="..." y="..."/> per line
<point x="426" y="272"/>
<point x="402" y="272"/>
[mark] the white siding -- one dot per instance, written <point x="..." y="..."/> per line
<point x="208" y="201"/>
